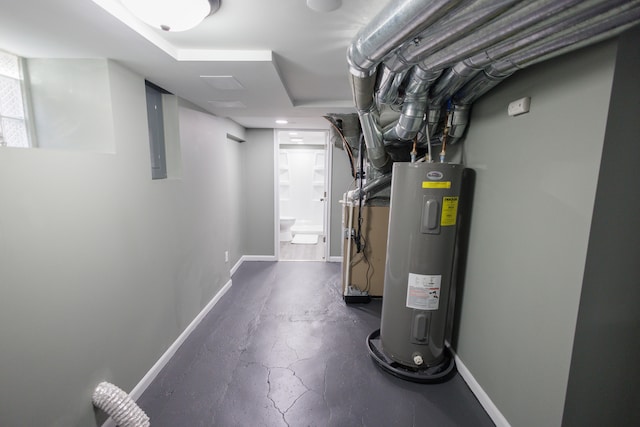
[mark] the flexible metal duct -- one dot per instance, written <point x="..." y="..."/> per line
<point x="119" y="406"/>
<point x="415" y="102"/>
<point x="431" y="60"/>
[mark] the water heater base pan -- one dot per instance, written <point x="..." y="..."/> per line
<point x="439" y="373"/>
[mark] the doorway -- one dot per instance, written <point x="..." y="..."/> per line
<point x="301" y="191"/>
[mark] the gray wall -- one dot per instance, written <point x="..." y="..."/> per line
<point x="603" y="380"/>
<point x="341" y="182"/>
<point x="101" y="267"/>
<point x="258" y="195"/>
<point x="234" y="199"/>
<point x="535" y="191"/>
<point x="71" y="104"/>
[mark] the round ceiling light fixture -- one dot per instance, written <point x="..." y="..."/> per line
<point x="172" y="15"/>
<point x="324" y="5"/>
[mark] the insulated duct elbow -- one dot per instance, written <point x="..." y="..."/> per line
<point x="459" y="122"/>
<point x="415" y="104"/>
<point x="376" y="153"/>
<point x="388" y="85"/>
<point x="119" y="406"/>
<point x="363" y="90"/>
<point x="410" y="121"/>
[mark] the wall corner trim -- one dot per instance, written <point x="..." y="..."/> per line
<point x="481" y="395"/>
<point x="164" y="359"/>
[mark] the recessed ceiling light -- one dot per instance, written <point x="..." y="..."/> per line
<point x="281" y="122"/>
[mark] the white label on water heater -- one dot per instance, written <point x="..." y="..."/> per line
<point x="423" y="291"/>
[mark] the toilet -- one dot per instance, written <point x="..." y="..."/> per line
<point x="286" y="222"/>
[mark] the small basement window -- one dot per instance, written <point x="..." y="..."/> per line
<point x="13" y="119"/>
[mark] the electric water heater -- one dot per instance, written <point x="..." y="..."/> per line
<point x="419" y="265"/>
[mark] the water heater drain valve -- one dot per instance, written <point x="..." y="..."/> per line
<point x="417" y="359"/>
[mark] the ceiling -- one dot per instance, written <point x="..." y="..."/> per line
<point x="301" y="137"/>
<point x="289" y="59"/>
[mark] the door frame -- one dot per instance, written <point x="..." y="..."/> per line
<point x="327" y="189"/>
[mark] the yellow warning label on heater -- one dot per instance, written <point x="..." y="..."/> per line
<point x="449" y="211"/>
<point x="436" y="184"/>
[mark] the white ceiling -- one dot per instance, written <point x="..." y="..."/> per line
<point x="301" y="137"/>
<point x="290" y="60"/>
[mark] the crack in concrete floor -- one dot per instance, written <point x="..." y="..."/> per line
<point x="285" y="350"/>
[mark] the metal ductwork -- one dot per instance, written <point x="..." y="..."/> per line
<point x="426" y="62"/>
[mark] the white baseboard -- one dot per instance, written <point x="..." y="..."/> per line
<point x="335" y="259"/>
<point x="259" y="258"/>
<point x="237" y="266"/>
<point x="484" y="399"/>
<point x="164" y="359"/>
<point x="155" y="369"/>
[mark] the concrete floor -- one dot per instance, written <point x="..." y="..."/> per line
<point x="282" y="349"/>
<point x="294" y="252"/>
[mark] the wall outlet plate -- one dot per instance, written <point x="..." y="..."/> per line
<point x="519" y="106"/>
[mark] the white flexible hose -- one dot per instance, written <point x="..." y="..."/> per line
<point x="119" y="406"/>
